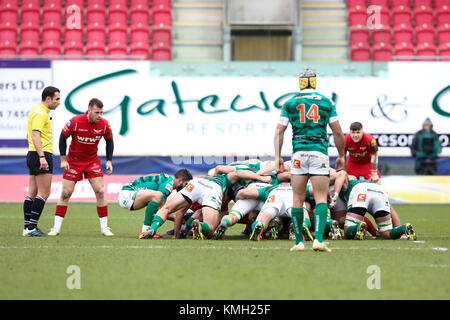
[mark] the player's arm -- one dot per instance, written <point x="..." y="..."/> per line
<point x="339" y="141"/>
<point x="223" y="169"/>
<point x="109" y="155"/>
<point x="278" y="143"/>
<point x="248" y="175"/>
<point x="62" y="151"/>
<point x="374" y="161"/>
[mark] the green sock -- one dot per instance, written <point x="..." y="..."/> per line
<point x="255" y="223"/>
<point x="307" y="222"/>
<point x="297" y="224"/>
<point x="397" y="232"/>
<point x="205" y="228"/>
<point x="328" y="225"/>
<point x="320" y="216"/>
<point x="157" y="222"/>
<point x="351" y="231"/>
<point x="227" y="222"/>
<point x="150" y="210"/>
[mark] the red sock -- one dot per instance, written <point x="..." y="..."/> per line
<point x="370" y="227"/>
<point x="61" y="211"/>
<point x="102" y="211"/>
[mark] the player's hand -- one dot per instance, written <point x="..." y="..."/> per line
<point x="65" y="165"/>
<point x="333" y="200"/>
<point x="279" y="164"/>
<point x="340" y="164"/>
<point x="43" y="164"/>
<point x="374" y="177"/>
<point x="109" y="167"/>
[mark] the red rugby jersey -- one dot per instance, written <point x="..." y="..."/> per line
<point x="85" y="137"/>
<point x="360" y="152"/>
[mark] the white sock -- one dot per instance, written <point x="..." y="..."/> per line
<point x="58" y="222"/>
<point x="144" y="228"/>
<point x="103" y="222"/>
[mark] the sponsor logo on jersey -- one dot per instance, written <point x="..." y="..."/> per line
<point x="88" y="140"/>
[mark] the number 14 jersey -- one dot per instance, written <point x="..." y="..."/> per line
<point x="309" y="113"/>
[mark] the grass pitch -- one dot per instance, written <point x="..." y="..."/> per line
<point x="123" y="267"/>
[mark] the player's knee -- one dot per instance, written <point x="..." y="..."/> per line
<point x="66" y="194"/>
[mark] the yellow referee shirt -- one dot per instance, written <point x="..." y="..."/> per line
<point x="39" y="120"/>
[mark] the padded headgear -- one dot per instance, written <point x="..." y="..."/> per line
<point x="307" y="79"/>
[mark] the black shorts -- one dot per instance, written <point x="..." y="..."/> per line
<point x="34" y="163"/>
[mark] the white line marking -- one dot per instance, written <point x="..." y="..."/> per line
<point x="209" y="247"/>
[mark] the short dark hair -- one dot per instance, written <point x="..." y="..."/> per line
<point x="49" y="92"/>
<point x="356" y="126"/>
<point x="184" y="174"/>
<point x="95" y="102"/>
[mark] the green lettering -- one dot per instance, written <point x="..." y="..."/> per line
<point x="280" y="101"/>
<point x="214" y="99"/>
<point x="123" y="106"/>
<point x="261" y="94"/>
<point x="435" y="104"/>
<point x="159" y="106"/>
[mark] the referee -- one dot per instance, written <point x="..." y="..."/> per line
<point x="39" y="160"/>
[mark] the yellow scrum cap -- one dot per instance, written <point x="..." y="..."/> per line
<point x="307" y="79"/>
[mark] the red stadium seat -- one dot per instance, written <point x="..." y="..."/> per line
<point x="164" y="2"/>
<point x="359" y="33"/>
<point x="360" y="51"/>
<point x="140" y="48"/>
<point x="8" y="31"/>
<point x="79" y="3"/>
<point x="401" y="15"/>
<point x="139" y="13"/>
<point x="52" y="11"/>
<point x="96" y="32"/>
<point x="31" y="11"/>
<point x="95" y="12"/>
<point x="396" y="3"/>
<point x="444" y="51"/>
<point x="425" y="33"/>
<point x="29" y="31"/>
<point x="404" y="51"/>
<point x="117" y="12"/>
<point x="161" y="34"/>
<point x="422" y="3"/>
<point x="443" y="33"/>
<point x="51" y="31"/>
<point x="73" y="35"/>
<point x="33" y="2"/>
<point x="29" y="48"/>
<point x="51" y="48"/>
<point x="403" y="33"/>
<point x="143" y="2"/>
<point x="443" y="14"/>
<point x="118" y="32"/>
<point x="426" y="50"/>
<point x="8" y="48"/>
<point x="423" y="14"/>
<point x="117" y="48"/>
<point x="95" y="48"/>
<point x="73" y="48"/>
<point x="382" y="35"/>
<point x="74" y="14"/>
<point x="161" y="15"/>
<point x="161" y="51"/>
<point x="115" y="2"/>
<point x="353" y="3"/>
<point x="9" y="11"/>
<point x="357" y="15"/>
<point x="439" y="3"/>
<point x="382" y="51"/>
<point x="383" y="3"/>
<point x="139" y="32"/>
